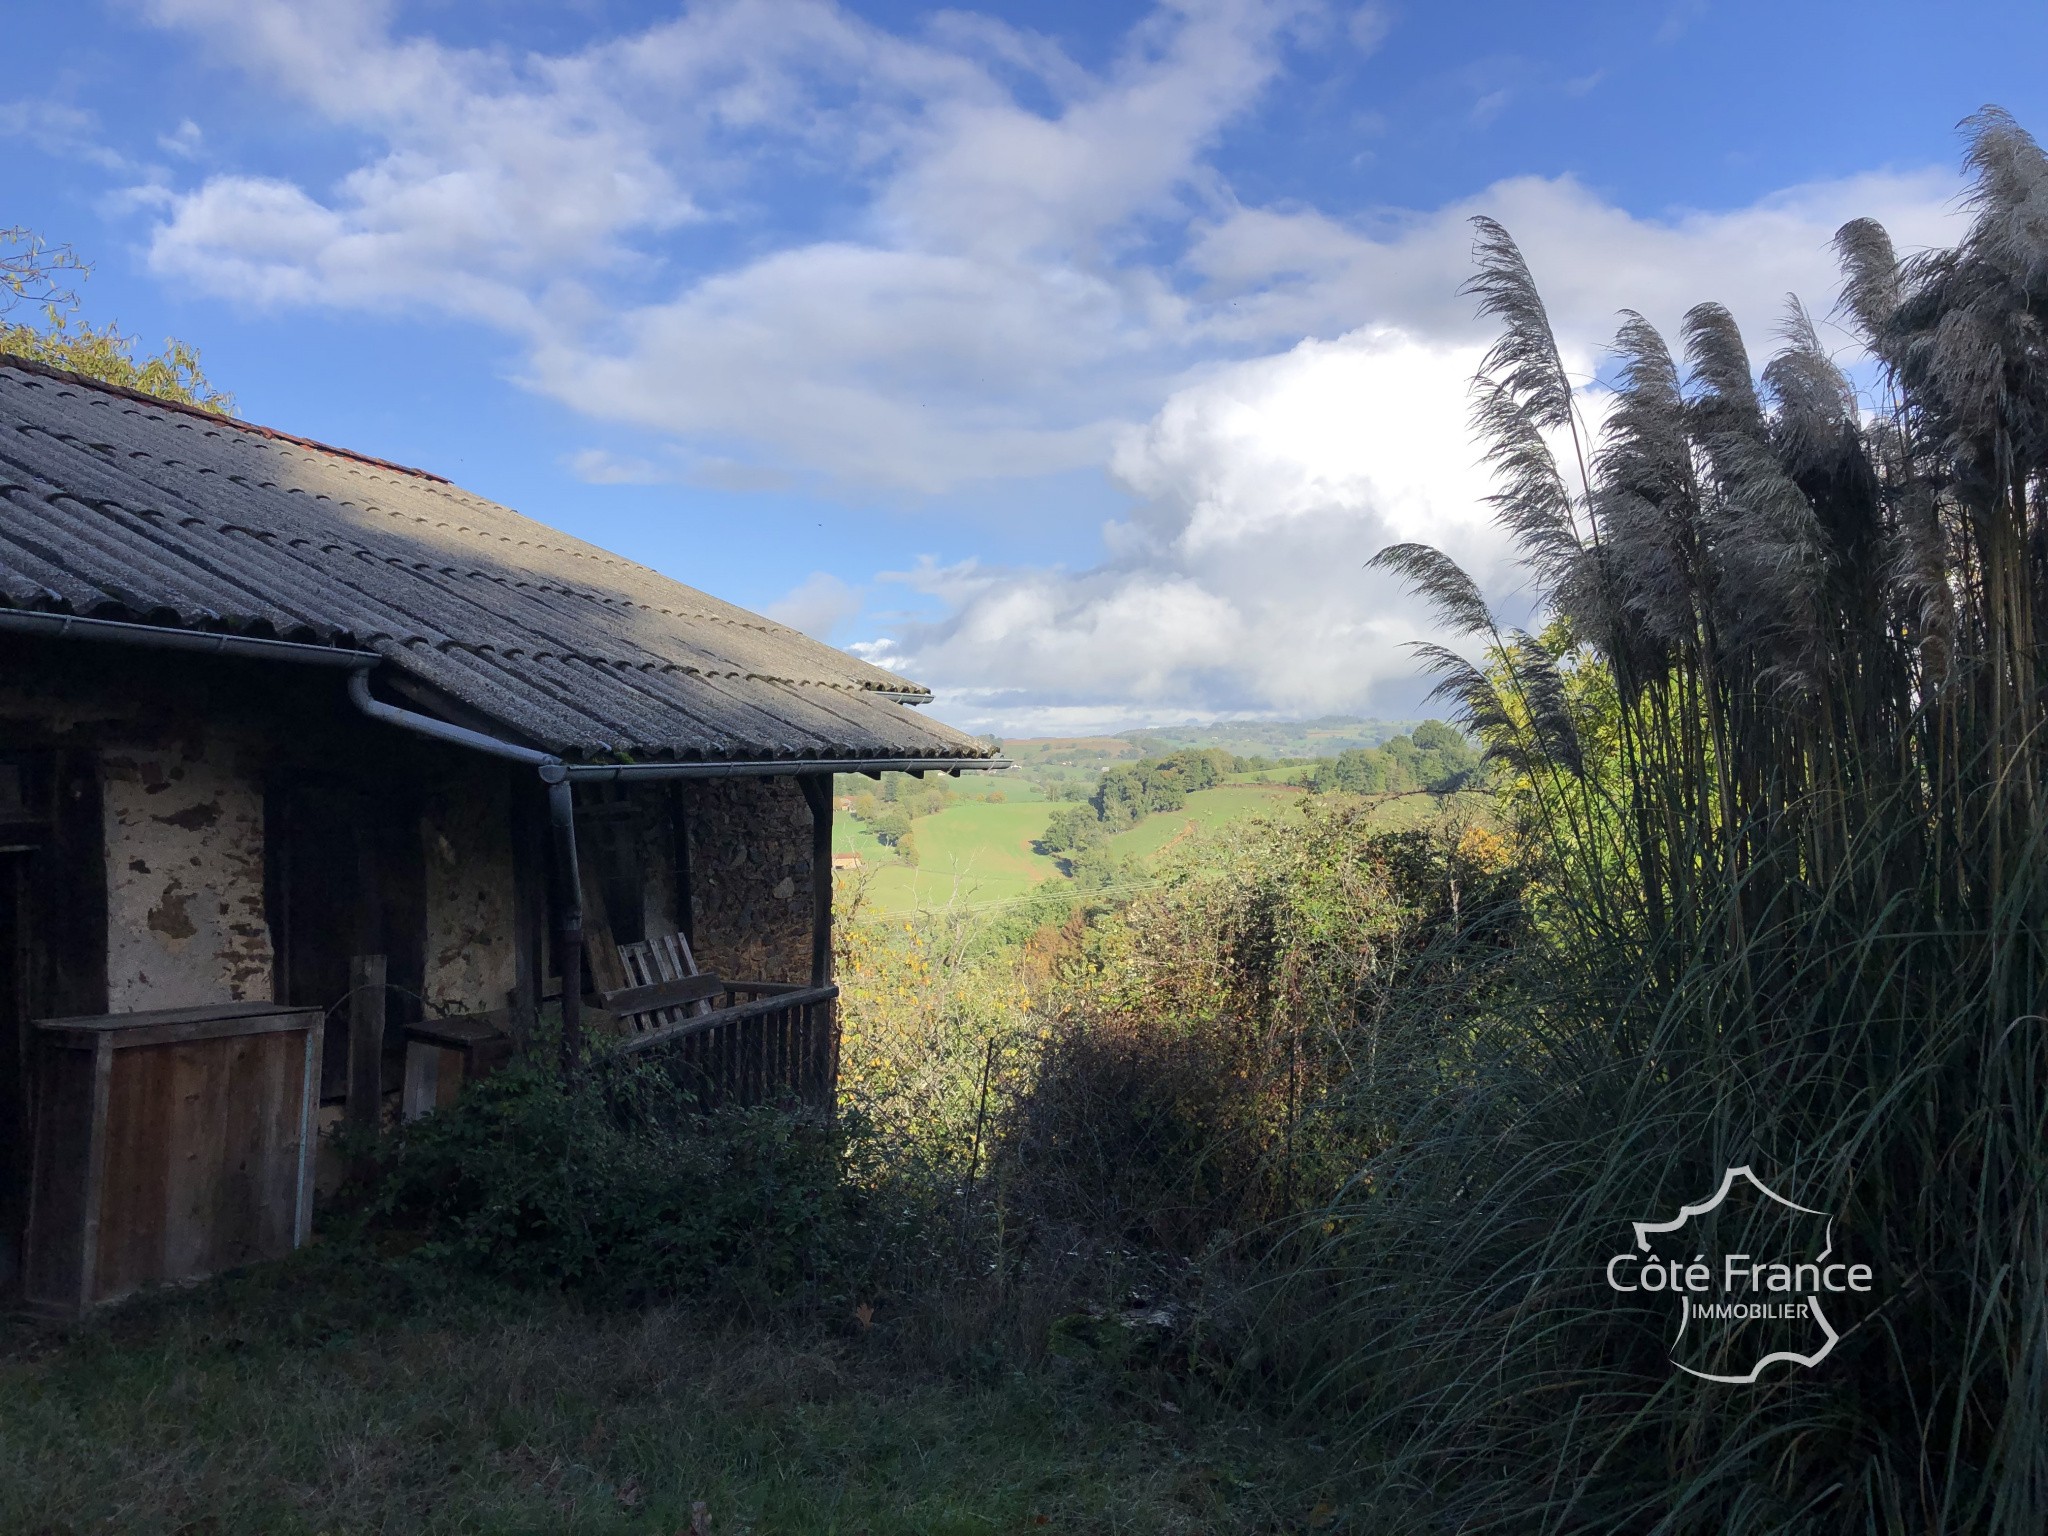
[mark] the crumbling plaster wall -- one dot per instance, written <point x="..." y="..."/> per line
<point x="750" y="878"/>
<point x="186" y="924"/>
<point x="466" y="827"/>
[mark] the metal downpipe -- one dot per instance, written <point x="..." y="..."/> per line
<point x="554" y="774"/>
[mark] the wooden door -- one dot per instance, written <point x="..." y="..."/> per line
<point x="14" y="1059"/>
<point x="347" y="876"/>
<point x="53" y="937"/>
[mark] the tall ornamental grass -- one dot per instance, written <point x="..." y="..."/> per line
<point x="1782" y="753"/>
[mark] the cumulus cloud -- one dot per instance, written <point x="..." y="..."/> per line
<point x="1236" y="584"/>
<point x="1025" y="267"/>
<point x="981" y="310"/>
<point x="817" y="606"/>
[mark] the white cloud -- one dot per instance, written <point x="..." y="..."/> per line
<point x="600" y="466"/>
<point x="1026" y="267"/>
<point x="817" y="606"/>
<point x="1369" y="26"/>
<point x="1237" y="582"/>
<point x="985" y="309"/>
<point x="60" y="129"/>
<point x="186" y="141"/>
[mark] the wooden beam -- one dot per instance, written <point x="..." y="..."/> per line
<point x="817" y="788"/>
<point x="365" y="1041"/>
<point x="529" y="902"/>
<point x="679" y="834"/>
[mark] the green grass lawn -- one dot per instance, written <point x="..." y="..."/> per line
<point x="309" y="1397"/>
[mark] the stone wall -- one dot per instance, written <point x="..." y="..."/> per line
<point x="750" y="877"/>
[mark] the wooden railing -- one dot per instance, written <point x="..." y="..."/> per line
<point x="767" y="1040"/>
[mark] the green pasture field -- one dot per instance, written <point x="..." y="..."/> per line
<point x="969" y="854"/>
<point x="975" y="853"/>
<point x="1206" y="809"/>
<point x="1011" y="785"/>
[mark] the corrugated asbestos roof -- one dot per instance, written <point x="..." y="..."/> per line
<point x="113" y="505"/>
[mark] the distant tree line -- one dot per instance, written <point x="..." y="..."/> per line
<point x="1435" y="758"/>
<point x="1126" y="794"/>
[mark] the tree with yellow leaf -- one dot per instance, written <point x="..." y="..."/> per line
<point x="35" y="276"/>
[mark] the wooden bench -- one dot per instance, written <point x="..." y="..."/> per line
<point x="662" y="984"/>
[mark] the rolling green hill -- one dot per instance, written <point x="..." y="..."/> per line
<point x="979" y="854"/>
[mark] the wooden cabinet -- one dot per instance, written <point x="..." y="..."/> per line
<point x="168" y="1146"/>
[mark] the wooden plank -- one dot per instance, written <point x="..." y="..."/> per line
<point x="607" y="971"/>
<point x="662" y="994"/>
<point x="233" y="1208"/>
<point x="124" y="1036"/>
<point x="685" y="903"/>
<point x="462" y="1030"/>
<point x="207" y="1014"/>
<point x="308" y="1146"/>
<point x="817" y="792"/>
<point x="139" y="1182"/>
<point x="366" y="1040"/>
<point x="770" y="988"/>
<point x="679" y="960"/>
<point x="95" y="1173"/>
<point x="643" y="969"/>
<point x="422" y="1077"/>
<point x="275" y="1178"/>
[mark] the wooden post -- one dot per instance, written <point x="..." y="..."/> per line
<point x="817" y="788"/>
<point x="366" y="1041"/>
<point x="679" y="842"/>
<point x="568" y="911"/>
<point x="529" y="906"/>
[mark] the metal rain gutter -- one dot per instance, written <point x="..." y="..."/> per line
<point x="553" y="769"/>
<point x="205" y="642"/>
<point x="773" y="767"/>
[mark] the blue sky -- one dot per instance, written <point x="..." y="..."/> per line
<point x="1071" y="358"/>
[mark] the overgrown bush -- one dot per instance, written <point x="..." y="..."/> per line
<point x="1197" y="1036"/>
<point x="614" y="1184"/>
<point x="938" y="1029"/>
